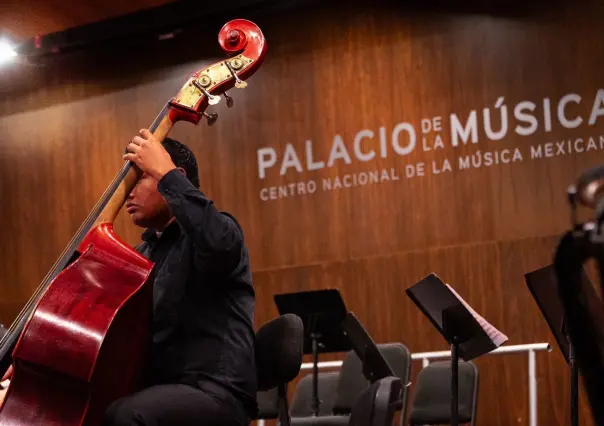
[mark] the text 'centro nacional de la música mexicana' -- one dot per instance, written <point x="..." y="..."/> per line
<point x="431" y="134"/>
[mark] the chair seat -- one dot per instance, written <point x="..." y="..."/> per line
<point x="440" y="414"/>
<point x="321" y="421"/>
<point x="432" y="399"/>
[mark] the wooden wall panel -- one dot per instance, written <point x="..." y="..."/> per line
<point x="63" y="128"/>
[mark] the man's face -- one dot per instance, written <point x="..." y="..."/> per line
<point x="146" y="206"/>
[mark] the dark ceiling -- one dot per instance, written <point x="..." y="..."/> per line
<point x="24" y="19"/>
<point x="65" y="25"/>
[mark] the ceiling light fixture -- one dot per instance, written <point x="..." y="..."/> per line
<point x="7" y="52"/>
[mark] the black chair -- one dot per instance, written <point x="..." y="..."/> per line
<point x="377" y="404"/>
<point x="432" y="397"/>
<point x="301" y="405"/>
<point x="279" y="345"/>
<point x="352" y="381"/>
<point x="352" y="384"/>
<point x="268" y="404"/>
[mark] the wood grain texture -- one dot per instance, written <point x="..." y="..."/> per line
<point x="26" y="19"/>
<point x="64" y="126"/>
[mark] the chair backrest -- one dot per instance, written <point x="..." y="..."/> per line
<point x="352" y="382"/>
<point x="376" y="405"/>
<point x="268" y="404"/>
<point x="432" y="397"/>
<point x="279" y="345"/>
<point x="301" y="405"/>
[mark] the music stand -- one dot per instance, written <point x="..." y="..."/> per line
<point x="542" y="284"/>
<point x="375" y="366"/>
<point x="469" y="335"/>
<point x="329" y="327"/>
<point x="322" y="313"/>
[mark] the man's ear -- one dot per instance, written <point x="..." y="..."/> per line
<point x="183" y="171"/>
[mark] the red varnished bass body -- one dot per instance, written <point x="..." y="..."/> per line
<point x="83" y="346"/>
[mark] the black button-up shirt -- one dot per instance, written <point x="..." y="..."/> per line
<point x="203" y="297"/>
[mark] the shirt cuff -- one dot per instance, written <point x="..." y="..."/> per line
<point x="174" y="182"/>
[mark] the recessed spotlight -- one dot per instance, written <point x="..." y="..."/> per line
<point x="7" y="52"/>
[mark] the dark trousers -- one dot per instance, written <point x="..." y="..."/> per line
<point x="176" y="405"/>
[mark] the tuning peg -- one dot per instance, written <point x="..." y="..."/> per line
<point x="212" y="100"/>
<point x="212" y="117"/>
<point x="238" y="82"/>
<point x="229" y="100"/>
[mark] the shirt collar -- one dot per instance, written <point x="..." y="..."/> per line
<point x="150" y="235"/>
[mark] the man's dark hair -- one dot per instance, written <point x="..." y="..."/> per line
<point x="183" y="157"/>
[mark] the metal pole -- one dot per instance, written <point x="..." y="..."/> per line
<point x="574" y="387"/>
<point x="454" y="384"/>
<point x="532" y="373"/>
<point x="315" y="379"/>
<point x="445" y="354"/>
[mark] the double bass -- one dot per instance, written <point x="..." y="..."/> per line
<point x="79" y="342"/>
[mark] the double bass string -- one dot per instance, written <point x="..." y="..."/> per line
<point x="78" y="237"/>
<point x="69" y="249"/>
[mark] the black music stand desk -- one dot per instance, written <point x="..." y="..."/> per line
<point x="469" y="335"/>
<point x="329" y="327"/>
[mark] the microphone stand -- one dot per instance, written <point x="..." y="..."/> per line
<point x="574" y="376"/>
<point x="574" y="387"/>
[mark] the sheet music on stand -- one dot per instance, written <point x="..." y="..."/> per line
<point x="468" y="333"/>
<point x="496" y="336"/>
<point x="435" y="298"/>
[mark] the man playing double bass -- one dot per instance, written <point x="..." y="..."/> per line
<point x="202" y="368"/>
